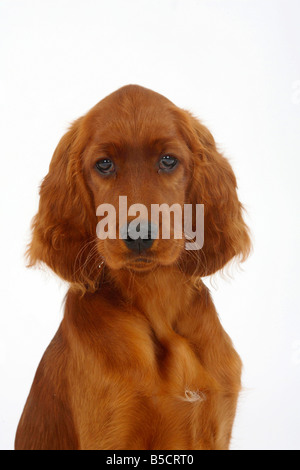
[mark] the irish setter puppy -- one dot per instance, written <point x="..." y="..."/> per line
<point x="140" y="360"/>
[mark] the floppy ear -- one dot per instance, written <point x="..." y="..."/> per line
<point x="64" y="228"/>
<point x="213" y="184"/>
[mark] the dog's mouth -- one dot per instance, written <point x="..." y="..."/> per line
<point x="141" y="264"/>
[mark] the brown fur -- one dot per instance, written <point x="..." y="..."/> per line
<point x="135" y="343"/>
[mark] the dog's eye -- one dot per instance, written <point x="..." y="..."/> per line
<point x="167" y="163"/>
<point x="105" y="166"/>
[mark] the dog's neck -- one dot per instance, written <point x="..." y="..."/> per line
<point x="156" y="294"/>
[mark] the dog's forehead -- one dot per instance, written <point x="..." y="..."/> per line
<point x="135" y="95"/>
<point x="133" y="114"/>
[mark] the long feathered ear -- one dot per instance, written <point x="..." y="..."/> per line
<point x="213" y="184"/>
<point x="65" y="226"/>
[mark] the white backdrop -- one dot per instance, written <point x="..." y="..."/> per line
<point x="235" y="64"/>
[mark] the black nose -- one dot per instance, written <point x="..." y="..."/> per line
<point x="139" y="237"/>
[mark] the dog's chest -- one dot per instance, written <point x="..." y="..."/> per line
<point x="178" y="368"/>
<point x="172" y="393"/>
<point x="149" y="392"/>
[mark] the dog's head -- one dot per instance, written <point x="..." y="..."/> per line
<point x="137" y="145"/>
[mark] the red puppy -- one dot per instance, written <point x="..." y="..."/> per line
<point x="140" y="360"/>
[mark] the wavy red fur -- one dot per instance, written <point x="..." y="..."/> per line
<point x="140" y="360"/>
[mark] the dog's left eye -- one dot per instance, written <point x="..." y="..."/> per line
<point x="167" y="163"/>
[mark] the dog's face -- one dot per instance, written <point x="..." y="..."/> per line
<point x="136" y="151"/>
<point x="135" y="143"/>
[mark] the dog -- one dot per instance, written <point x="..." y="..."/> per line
<point x="140" y="360"/>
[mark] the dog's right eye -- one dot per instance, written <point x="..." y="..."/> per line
<point x="105" y="166"/>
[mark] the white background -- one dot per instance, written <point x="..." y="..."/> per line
<point x="235" y="64"/>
